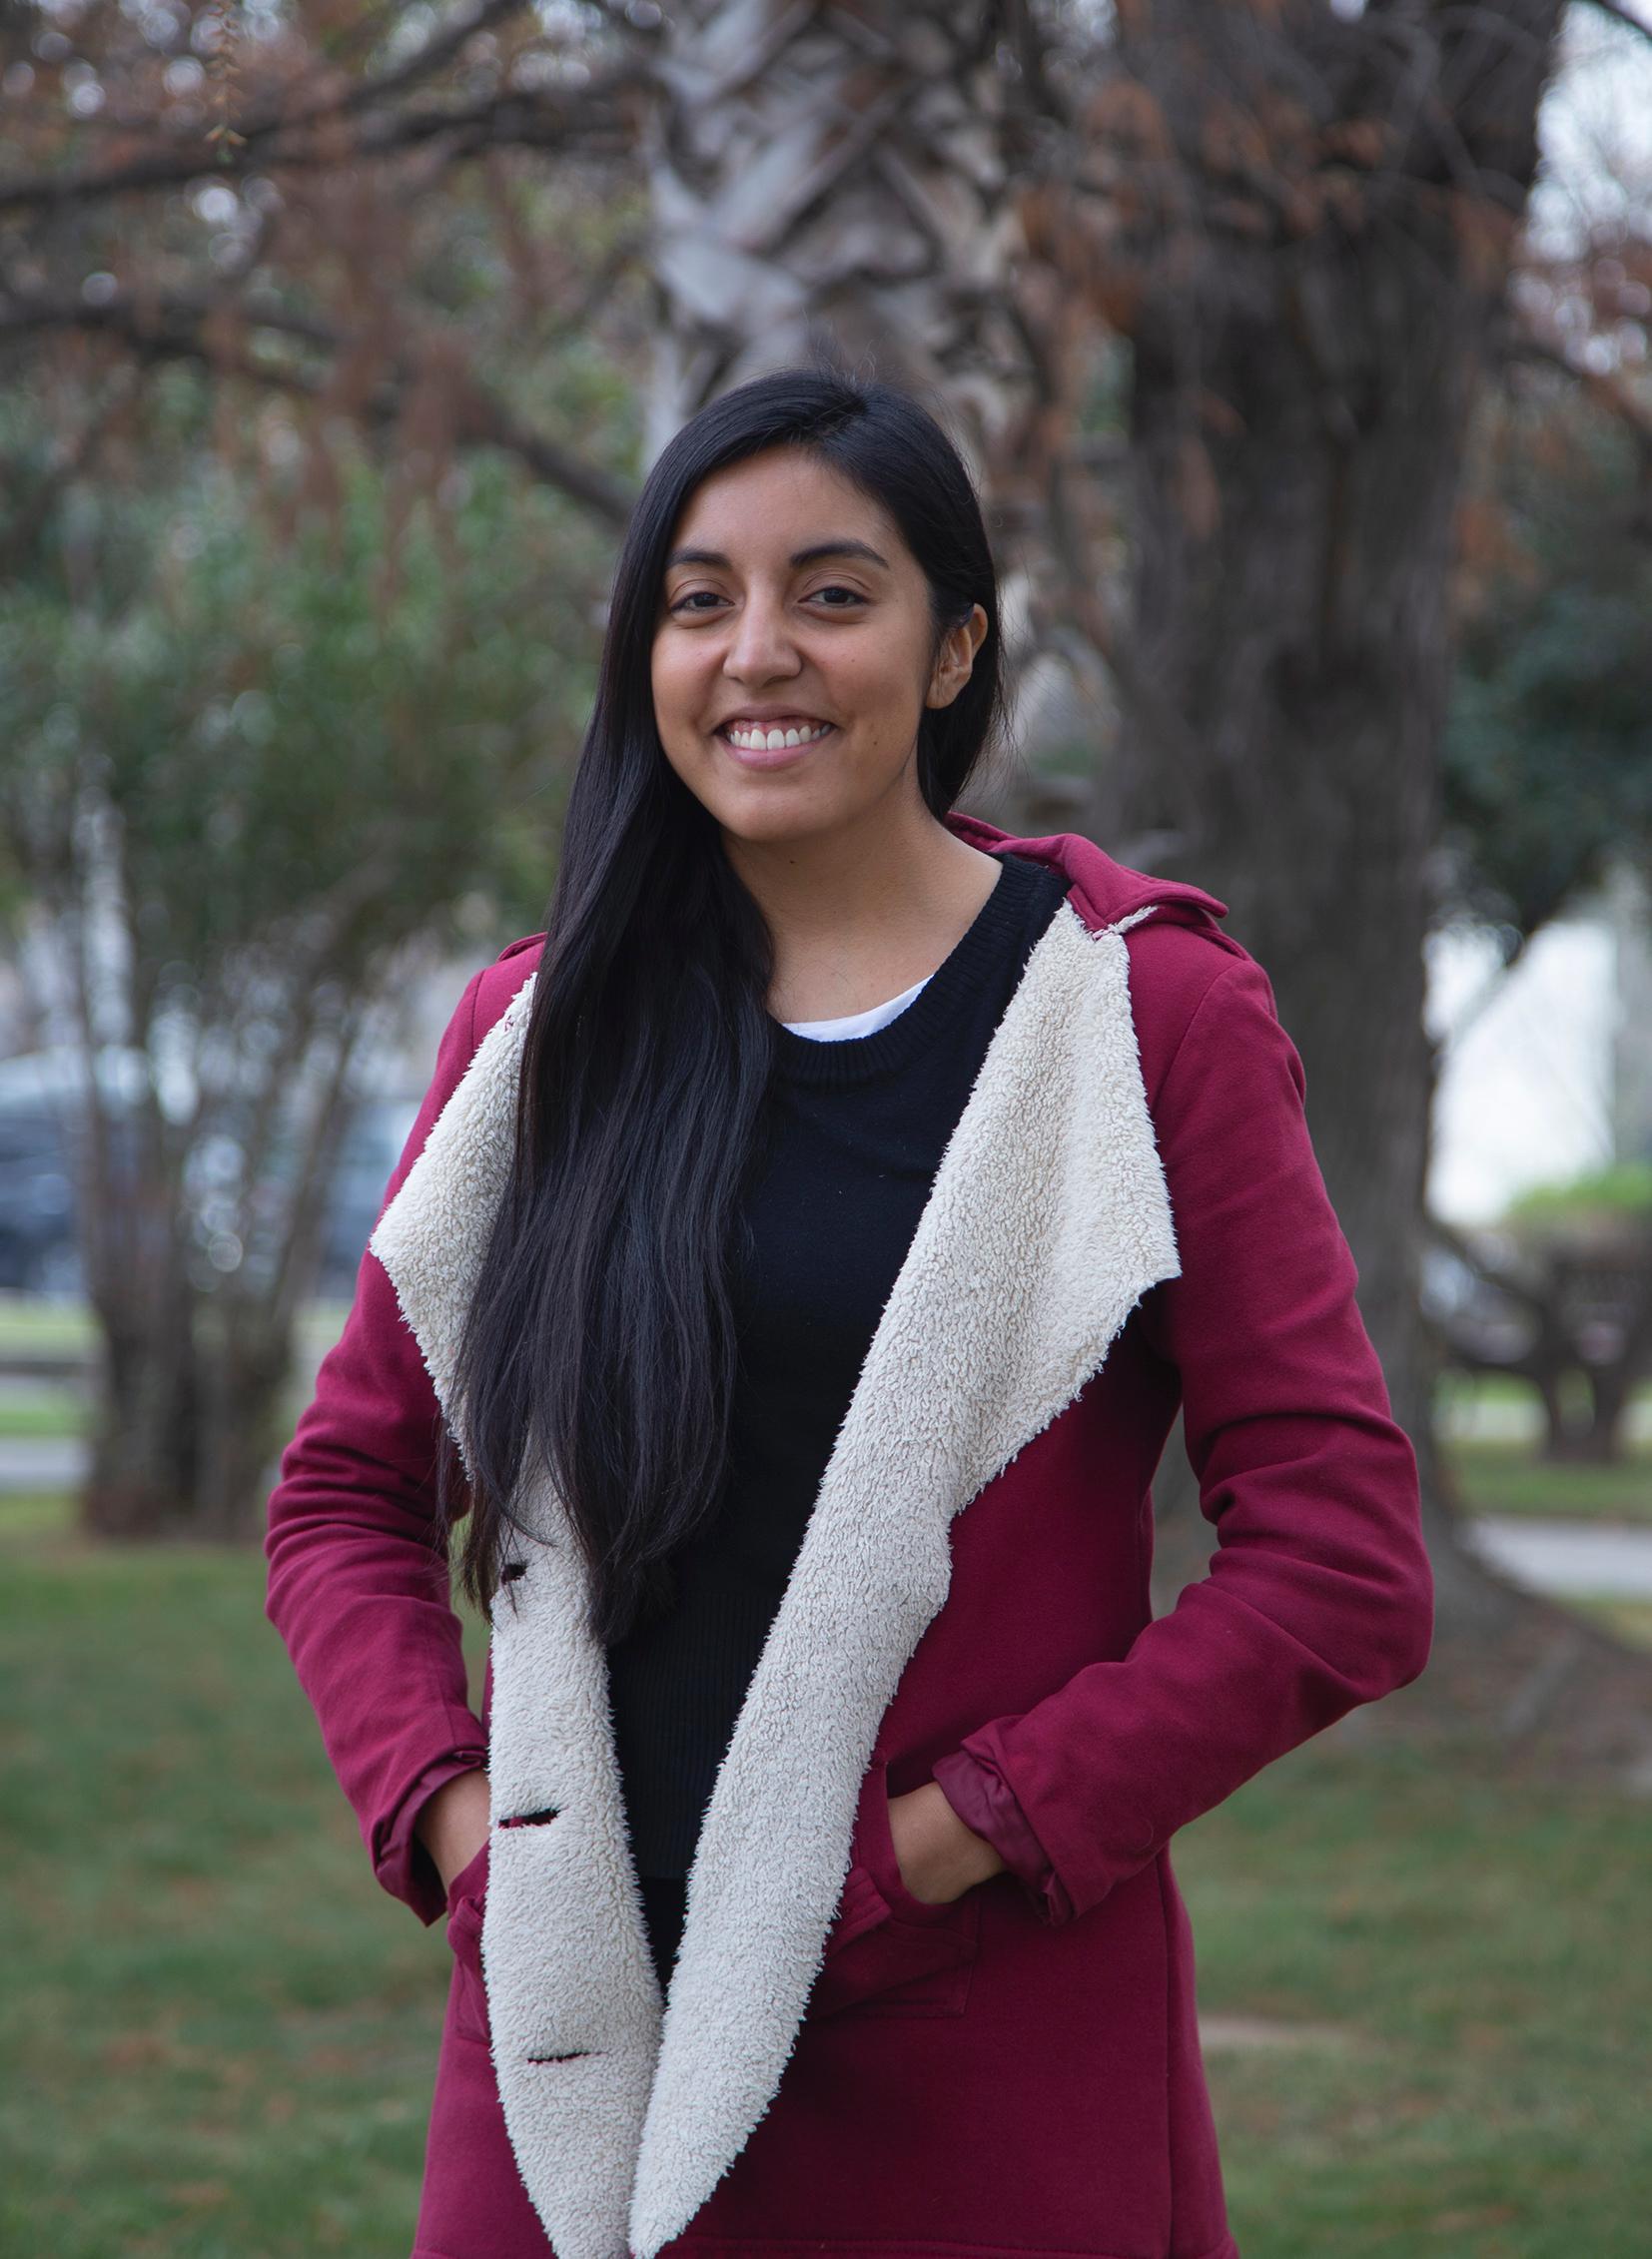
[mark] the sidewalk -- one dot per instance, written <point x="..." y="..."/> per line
<point x="1594" y="1559"/>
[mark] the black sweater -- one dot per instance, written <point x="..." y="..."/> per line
<point x="853" y="1134"/>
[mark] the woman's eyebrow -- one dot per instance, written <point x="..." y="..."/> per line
<point x="842" y="547"/>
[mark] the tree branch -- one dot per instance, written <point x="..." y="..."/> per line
<point x="176" y="328"/>
<point x="443" y="48"/>
<point x="1605" y="389"/>
<point x="17" y="539"/>
<point x="591" y="118"/>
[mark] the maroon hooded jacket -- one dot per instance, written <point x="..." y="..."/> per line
<point x="1129" y="1218"/>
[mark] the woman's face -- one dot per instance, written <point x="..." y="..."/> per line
<point x="792" y="657"/>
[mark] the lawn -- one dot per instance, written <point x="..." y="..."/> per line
<point x="220" y="2034"/>
<point x="1470" y="2078"/>
<point x="1425" y="2006"/>
<point x="1507" y="1478"/>
<point x="36" y="1408"/>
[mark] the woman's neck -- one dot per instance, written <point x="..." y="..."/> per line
<point x="857" y="919"/>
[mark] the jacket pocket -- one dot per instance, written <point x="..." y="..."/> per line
<point x="887" y="1952"/>
<point x="466" y="1906"/>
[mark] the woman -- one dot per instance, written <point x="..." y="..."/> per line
<point x="807" y="1244"/>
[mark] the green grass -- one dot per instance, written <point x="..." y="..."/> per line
<point x="1504" y="1478"/>
<point x="46" y="1409"/>
<point x="1627" y="1620"/>
<point x="32" y="1322"/>
<point x="1476" y="1944"/>
<point x="26" y="1515"/>
<point x="222" y="2035"/>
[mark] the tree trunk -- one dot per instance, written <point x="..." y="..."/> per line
<point x="196" y="1283"/>
<point x="1602" y="1442"/>
<point x="1304" y="376"/>
<point x="240" y="1434"/>
<point x="189" y="1394"/>
<point x="185" y="1430"/>
<point x="141" y="1481"/>
<point x="830" y="182"/>
<point x="1307" y="629"/>
<point x="849" y="184"/>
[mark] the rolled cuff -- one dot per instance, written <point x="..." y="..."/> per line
<point x="986" y="1804"/>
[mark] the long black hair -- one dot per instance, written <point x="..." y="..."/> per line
<point x="599" y="1335"/>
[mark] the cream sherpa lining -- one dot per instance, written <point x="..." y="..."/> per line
<point x="1048" y="1220"/>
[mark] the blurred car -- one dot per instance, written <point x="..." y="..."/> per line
<point x="41" y="1100"/>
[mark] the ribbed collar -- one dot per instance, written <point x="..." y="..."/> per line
<point x="936" y="1012"/>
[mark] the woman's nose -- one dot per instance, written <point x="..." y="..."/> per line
<point x="762" y="644"/>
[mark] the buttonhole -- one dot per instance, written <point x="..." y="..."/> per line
<point x="533" y="1819"/>
<point x="577" y="2055"/>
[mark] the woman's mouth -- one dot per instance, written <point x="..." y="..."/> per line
<point x="771" y="745"/>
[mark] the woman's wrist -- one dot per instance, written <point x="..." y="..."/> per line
<point x="939" y="1855"/>
<point x="454" y="1823"/>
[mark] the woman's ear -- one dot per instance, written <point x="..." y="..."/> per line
<point x="957" y="661"/>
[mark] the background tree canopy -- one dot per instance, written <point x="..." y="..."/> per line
<point x="1548" y="746"/>
<point x="260" y="775"/>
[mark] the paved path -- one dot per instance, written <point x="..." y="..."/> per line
<point x="1569" y="1557"/>
<point x="45" y="1462"/>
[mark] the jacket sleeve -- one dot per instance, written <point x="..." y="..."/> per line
<point x="1319" y="1594"/>
<point x="358" y="1578"/>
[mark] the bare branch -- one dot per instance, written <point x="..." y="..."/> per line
<point x="17" y="539"/>
<point x="594" y="119"/>
<point x="1603" y="387"/>
<point x="177" y="328"/>
<point x="436" y="53"/>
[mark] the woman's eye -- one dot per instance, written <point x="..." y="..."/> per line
<point x="692" y="603"/>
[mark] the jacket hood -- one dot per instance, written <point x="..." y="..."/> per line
<point x="1106" y="890"/>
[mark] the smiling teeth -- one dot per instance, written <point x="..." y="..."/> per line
<point x="775" y="740"/>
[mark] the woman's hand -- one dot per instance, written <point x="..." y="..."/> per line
<point x="937" y="1856"/>
<point x="452" y="1825"/>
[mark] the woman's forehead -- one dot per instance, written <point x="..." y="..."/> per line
<point x="782" y="500"/>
